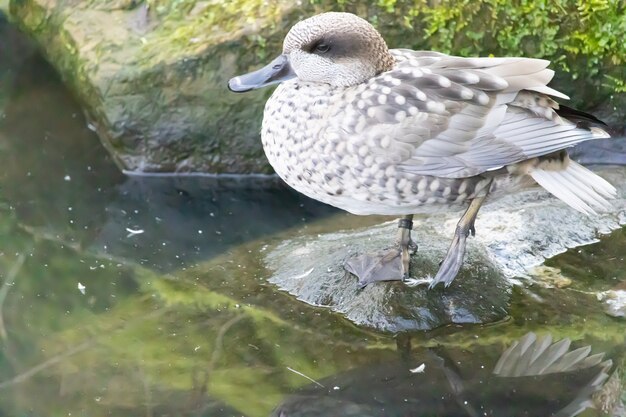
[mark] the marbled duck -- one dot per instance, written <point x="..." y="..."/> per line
<point x="373" y="130"/>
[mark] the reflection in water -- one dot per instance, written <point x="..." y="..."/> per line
<point x="189" y="219"/>
<point x="533" y="377"/>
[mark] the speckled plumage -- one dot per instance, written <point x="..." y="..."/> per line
<point x="396" y="132"/>
<point x="358" y="175"/>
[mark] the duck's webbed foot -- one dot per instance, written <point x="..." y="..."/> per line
<point x="374" y="267"/>
<point x="389" y="265"/>
<point x="453" y="261"/>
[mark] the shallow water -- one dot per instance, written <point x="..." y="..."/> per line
<point x="130" y="296"/>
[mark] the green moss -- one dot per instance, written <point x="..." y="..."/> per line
<point x="191" y="25"/>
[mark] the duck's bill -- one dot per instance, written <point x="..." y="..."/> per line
<point x="276" y="72"/>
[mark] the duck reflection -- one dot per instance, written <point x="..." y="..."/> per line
<point x="533" y="377"/>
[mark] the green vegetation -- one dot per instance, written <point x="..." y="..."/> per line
<point x="191" y="25"/>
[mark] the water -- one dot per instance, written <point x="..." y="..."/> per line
<point x="131" y="296"/>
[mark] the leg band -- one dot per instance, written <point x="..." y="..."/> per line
<point x="405" y="224"/>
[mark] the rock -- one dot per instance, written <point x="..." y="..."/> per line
<point x="151" y="75"/>
<point x="513" y="235"/>
<point x="615" y="302"/>
<point x="153" y="80"/>
<point x="311" y="268"/>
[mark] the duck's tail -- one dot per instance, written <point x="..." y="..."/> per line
<point x="575" y="185"/>
<point x="535" y="356"/>
<point x="532" y="356"/>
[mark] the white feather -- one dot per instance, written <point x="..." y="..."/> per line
<point x="544" y="89"/>
<point x="576" y="186"/>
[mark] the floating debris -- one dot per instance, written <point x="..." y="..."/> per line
<point x="419" y="369"/>
<point x="307" y="377"/>
<point x="133" y="232"/>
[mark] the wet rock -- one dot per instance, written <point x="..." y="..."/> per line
<point x="513" y="235"/>
<point x="311" y="268"/>
<point x="615" y="302"/>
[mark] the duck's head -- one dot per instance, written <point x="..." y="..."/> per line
<point x="339" y="49"/>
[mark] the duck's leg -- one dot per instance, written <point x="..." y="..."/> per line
<point x="387" y="265"/>
<point x="453" y="261"/>
<point x="405" y="225"/>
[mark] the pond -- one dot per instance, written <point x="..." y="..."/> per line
<point x="150" y="296"/>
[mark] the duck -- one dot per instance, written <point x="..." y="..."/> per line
<point x="399" y="132"/>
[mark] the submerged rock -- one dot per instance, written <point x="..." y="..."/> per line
<point x="513" y="235"/>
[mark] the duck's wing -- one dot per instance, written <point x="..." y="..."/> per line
<point x="446" y="116"/>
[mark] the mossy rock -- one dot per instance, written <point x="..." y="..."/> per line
<point x="152" y="79"/>
<point x="151" y="74"/>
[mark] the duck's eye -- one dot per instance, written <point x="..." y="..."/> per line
<point x="322" y="47"/>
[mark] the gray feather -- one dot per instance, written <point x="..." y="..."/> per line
<point x="462" y="116"/>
